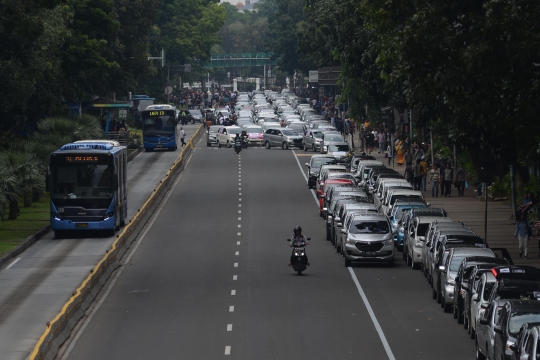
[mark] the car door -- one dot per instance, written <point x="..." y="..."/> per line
<point x="274" y="133"/>
<point x="308" y="139"/>
<point x="481" y="332"/>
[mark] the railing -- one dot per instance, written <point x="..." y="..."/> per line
<point x="121" y="136"/>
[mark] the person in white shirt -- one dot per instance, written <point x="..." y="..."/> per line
<point x="182" y="136"/>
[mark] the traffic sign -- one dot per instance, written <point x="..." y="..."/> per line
<point x="168" y="90"/>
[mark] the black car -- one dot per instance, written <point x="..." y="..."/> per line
<point x="462" y="278"/>
<point x="194" y="116"/>
<point x="514" y="314"/>
<point x="314" y="167"/>
<point x="515" y="282"/>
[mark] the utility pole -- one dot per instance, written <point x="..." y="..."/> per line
<point x="432" y="149"/>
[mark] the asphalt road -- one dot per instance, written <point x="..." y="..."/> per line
<point x="210" y="279"/>
<point x="35" y="286"/>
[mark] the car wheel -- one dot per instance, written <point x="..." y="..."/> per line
<point x="267" y="145"/>
<point x="391" y="262"/>
<point x="284" y="146"/>
<point x="208" y="144"/>
<point x="408" y="260"/>
<point x="347" y="263"/>
<point x="338" y="247"/>
<point x="472" y="333"/>
<point x="454" y="313"/>
<point x="219" y="144"/>
<point x="439" y="297"/>
<point x="313" y="148"/>
<point x="447" y="307"/>
<point x="305" y="147"/>
<point x="465" y="323"/>
<point x="433" y="293"/>
<point x="479" y="355"/>
<point x="328" y="234"/>
<point x="404" y="253"/>
<point x="414" y="265"/>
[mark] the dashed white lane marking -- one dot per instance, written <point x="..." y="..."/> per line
<point x="239" y="199"/>
<point x="239" y="234"/>
<point x="235" y="277"/>
<point x="239" y="211"/>
<point x="233" y="292"/>
<point x="239" y="189"/>
<point x="239" y="175"/>
<point x="239" y="184"/>
<point x="231" y="308"/>
<point x="13" y="263"/>
<point x="237" y="253"/>
<point x="238" y="243"/>
<point x="239" y="205"/>
<point x="229" y="327"/>
<point x="235" y="264"/>
<point x="239" y="225"/>
<point x="227" y="350"/>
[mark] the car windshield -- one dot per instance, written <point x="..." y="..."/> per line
<point x="456" y="262"/>
<point x="517" y="321"/>
<point x="395" y="197"/>
<point x="333" y="137"/>
<point x="422" y="229"/>
<point x="334" y="148"/>
<point x="253" y="130"/>
<point x="195" y="112"/>
<point x="318" y="162"/>
<point x="369" y="227"/>
<point x="234" y="130"/>
<point x="318" y="135"/>
<point x="289" y="132"/>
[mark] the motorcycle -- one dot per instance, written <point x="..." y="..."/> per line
<point x="299" y="258"/>
<point x="238" y="146"/>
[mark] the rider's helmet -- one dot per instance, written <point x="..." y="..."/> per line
<point x="299" y="229"/>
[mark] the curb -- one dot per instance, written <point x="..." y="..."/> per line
<point x="134" y="154"/>
<point x="25" y="244"/>
<point x="59" y="329"/>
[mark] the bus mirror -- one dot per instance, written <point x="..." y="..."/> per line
<point x="48" y="180"/>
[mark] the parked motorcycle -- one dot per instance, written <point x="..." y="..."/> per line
<point x="238" y="145"/>
<point x="299" y="257"/>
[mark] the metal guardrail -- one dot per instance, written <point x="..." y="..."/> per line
<point x="122" y="137"/>
<point x="59" y="329"/>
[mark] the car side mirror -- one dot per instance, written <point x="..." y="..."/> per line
<point x="513" y="347"/>
<point x="337" y="219"/>
<point x="307" y="164"/>
<point x="343" y="231"/>
<point x="441" y="268"/>
<point x="324" y="209"/>
<point x="498" y="329"/>
<point x="484" y="321"/>
<point x="484" y="306"/>
<point x="428" y="204"/>
<point x="339" y="224"/>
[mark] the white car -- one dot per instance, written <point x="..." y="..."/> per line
<point x="226" y="135"/>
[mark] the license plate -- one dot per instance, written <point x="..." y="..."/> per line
<point x="369" y="253"/>
<point x="159" y="146"/>
<point x="81" y="225"/>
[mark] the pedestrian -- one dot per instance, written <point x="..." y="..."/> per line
<point x="425" y="169"/>
<point x="448" y="177"/>
<point x="389" y="153"/>
<point x="409" y="174"/>
<point x="420" y="152"/>
<point x="382" y="141"/>
<point x="182" y="136"/>
<point x="418" y="174"/>
<point x="408" y="158"/>
<point x="434" y="177"/>
<point x="461" y="177"/>
<point x="523" y="231"/>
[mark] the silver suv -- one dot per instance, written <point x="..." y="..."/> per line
<point x="284" y="138"/>
<point x="368" y="237"/>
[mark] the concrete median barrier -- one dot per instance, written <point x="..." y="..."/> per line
<point x="59" y="328"/>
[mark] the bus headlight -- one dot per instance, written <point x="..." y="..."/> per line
<point x="108" y="215"/>
<point x="55" y="215"/>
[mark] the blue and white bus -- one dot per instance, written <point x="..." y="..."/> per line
<point x="159" y="127"/>
<point x="87" y="181"/>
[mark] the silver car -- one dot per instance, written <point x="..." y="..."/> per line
<point x="415" y="238"/>
<point x="450" y="268"/>
<point x="312" y="140"/>
<point x="328" y="139"/>
<point x="211" y="136"/>
<point x="284" y="138"/>
<point x="368" y="238"/>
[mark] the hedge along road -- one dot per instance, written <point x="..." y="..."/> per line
<point x="39" y="281"/>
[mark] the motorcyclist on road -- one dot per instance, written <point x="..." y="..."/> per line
<point x="298" y="240"/>
<point x="244" y="137"/>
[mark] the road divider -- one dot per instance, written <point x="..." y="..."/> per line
<point x="59" y="329"/>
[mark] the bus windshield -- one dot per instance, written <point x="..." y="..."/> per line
<point x="161" y="125"/>
<point x="82" y="181"/>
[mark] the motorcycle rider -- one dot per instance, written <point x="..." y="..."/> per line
<point x="244" y="137"/>
<point x="297" y="240"/>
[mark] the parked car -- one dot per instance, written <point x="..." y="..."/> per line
<point x="314" y="167"/>
<point x="284" y="138"/>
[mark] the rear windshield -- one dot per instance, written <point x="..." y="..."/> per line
<point x="456" y="263"/>
<point x="422" y="229"/>
<point x="333" y="148"/>
<point x="395" y="197"/>
<point x="253" y="130"/>
<point x="318" y="162"/>
<point x="289" y="132"/>
<point x="333" y="137"/>
<point x="234" y="130"/>
<point x="369" y="227"/>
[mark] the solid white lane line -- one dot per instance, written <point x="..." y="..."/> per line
<point x="13" y="263"/>
<point x="305" y="177"/>
<point x="235" y="264"/>
<point x="227" y="350"/>
<point x="229" y="327"/>
<point x="233" y="292"/>
<point x="235" y="277"/>
<point x="237" y="253"/>
<point x="372" y="316"/>
<point x="231" y="308"/>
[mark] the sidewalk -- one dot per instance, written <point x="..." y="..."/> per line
<point x="500" y="228"/>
